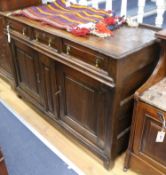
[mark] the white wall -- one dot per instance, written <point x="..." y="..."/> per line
<point x="45" y="1"/>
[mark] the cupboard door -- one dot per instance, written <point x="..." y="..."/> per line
<point x="149" y="123"/>
<point x="83" y="108"/>
<point x="49" y="80"/>
<point x="28" y="74"/>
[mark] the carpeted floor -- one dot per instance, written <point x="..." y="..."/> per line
<point x="24" y="153"/>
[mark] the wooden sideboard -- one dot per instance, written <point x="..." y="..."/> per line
<point x="145" y="154"/>
<point x="86" y="85"/>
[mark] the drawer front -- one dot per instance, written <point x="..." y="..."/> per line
<point x="19" y="27"/>
<point x="84" y="54"/>
<point x="47" y="39"/>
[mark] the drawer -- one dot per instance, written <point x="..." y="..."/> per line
<point x="157" y="115"/>
<point x="153" y="112"/>
<point x="85" y="54"/>
<point x="19" y="27"/>
<point x="47" y="39"/>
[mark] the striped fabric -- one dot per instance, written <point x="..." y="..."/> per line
<point x="58" y="15"/>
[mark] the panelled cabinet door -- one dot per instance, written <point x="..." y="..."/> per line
<point x="83" y="108"/>
<point x="28" y="73"/>
<point x="148" y="124"/>
<point x="49" y="84"/>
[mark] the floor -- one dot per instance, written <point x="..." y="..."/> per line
<point x="80" y="156"/>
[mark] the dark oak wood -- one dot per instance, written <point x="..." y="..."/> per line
<point x="15" y="4"/>
<point x="28" y="73"/>
<point x="6" y="71"/>
<point x="3" y="169"/>
<point x="86" y="85"/>
<point x="144" y="155"/>
<point x="51" y="89"/>
<point x="82" y="105"/>
<point x="6" y="68"/>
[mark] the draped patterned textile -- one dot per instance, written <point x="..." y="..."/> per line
<point x="58" y="15"/>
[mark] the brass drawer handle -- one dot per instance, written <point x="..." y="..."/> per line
<point x="68" y="50"/>
<point x="8" y="33"/>
<point x="98" y="61"/>
<point x="37" y="37"/>
<point x="23" y="31"/>
<point x="58" y="92"/>
<point x="49" y="42"/>
<point x="162" y="118"/>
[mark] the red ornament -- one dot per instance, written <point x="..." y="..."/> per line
<point x="80" y="31"/>
<point x="110" y="20"/>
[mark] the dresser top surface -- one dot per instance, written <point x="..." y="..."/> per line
<point x="125" y="41"/>
<point x="156" y="95"/>
<point x="161" y="34"/>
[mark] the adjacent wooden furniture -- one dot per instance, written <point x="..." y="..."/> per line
<point x="5" y="57"/>
<point x="144" y="154"/>
<point x="3" y="169"/>
<point x="86" y="85"/>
